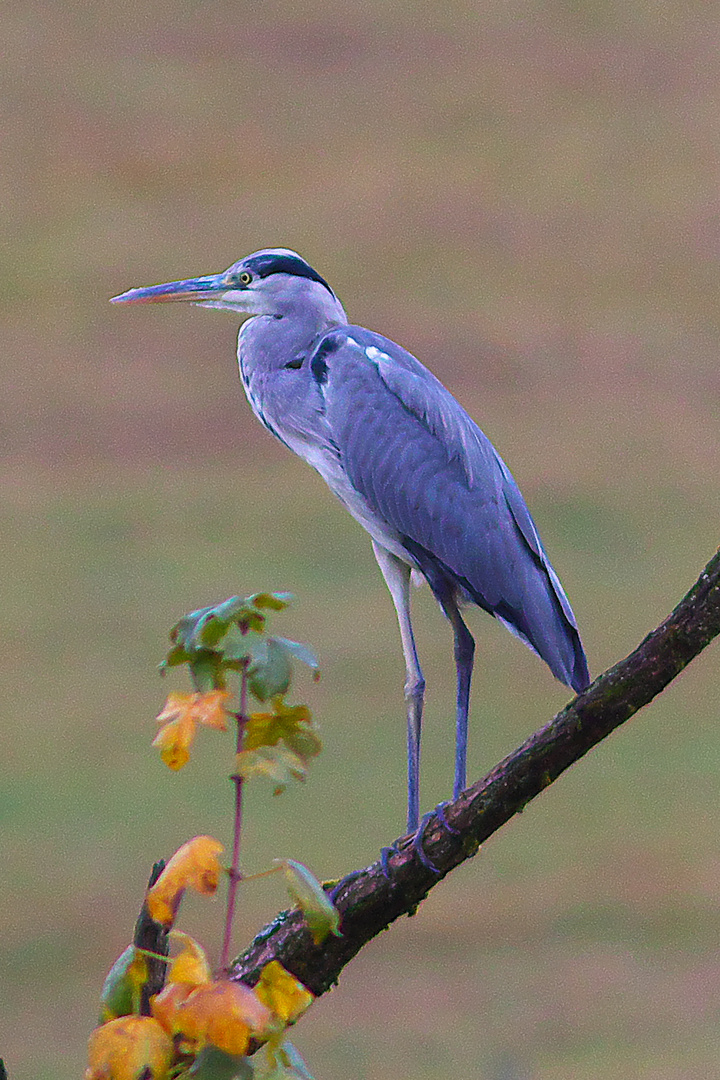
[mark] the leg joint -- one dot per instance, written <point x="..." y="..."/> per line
<point x="414" y="687"/>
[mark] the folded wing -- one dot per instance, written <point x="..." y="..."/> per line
<point x="421" y="464"/>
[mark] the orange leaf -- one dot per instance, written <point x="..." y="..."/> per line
<point x="209" y="708"/>
<point x="179" y="719"/>
<point x="128" y="1048"/>
<point x="223" y="1013"/>
<point x="165" y="1004"/>
<point x="212" y="710"/>
<point x="195" y="865"/>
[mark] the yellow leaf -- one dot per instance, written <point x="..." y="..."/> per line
<point x="279" y="744"/>
<point x="276" y="762"/>
<point x="195" y="865"/>
<point x="129" y="1048"/>
<point x="266" y="729"/>
<point x="321" y="916"/>
<point x="123" y="985"/>
<point x="282" y="992"/>
<point x="174" y="740"/>
<point x="225" y="1014"/>
<point x="261" y="729"/>
<point x="191" y="963"/>
<point x="292" y="714"/>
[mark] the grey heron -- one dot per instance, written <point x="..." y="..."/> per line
<point x="406" y="461"/>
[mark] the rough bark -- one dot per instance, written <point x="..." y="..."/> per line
<point x="152" y="936"/>
<point x="369" y="901"/>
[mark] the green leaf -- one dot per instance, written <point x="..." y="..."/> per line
<point x="303" y="741"/>
<point x="282" y="1063"/>
<point x="300" y="652"/>
<point x="321" y="916"/>
<point x="226" y="636"/>
<point x="241" y="646"/>
<point x="183" y="632"/>
<point x="269" y="674"/>
<point x="176" y="656"/>
<point x="206" y="670"/>
<point x="210" y="630"/>
<point x="277" y="601"/>
<point x="214" y="1064"/>
<point x="123" y="985"/>
<point x="233" y="609"/>
<point x="291" y="724"/>
<point x="258" y="652"/>
<point x="292" y="1060"/>
<point x="238" y="611"/>
<point x="206" y="627"/>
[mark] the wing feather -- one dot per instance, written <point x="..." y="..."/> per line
<point x="423" y="466"/>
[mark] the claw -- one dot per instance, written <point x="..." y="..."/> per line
<point x="385" y="854"/>
<point x="418" y="848"/>
<point x="417" y="843"/>
<point x="440" y="811"/>
<point x="333" y="893"/>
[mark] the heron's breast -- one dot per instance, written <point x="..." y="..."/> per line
<point x="328" y="464"/>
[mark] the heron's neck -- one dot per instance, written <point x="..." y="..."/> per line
<point x="269" y="342"/>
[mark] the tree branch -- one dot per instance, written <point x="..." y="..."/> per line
<point x="152" y="936"/>
<point x="369" y="901"/>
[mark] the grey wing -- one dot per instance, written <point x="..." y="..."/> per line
<point x="424" y="467"/>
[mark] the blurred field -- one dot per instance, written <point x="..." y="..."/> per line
<point x="526" y="196"/>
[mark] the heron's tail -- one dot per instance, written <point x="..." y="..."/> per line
<point x="557" y="642"/>
<point x="529" y="601"/>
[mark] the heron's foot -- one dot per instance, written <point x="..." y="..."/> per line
<point x="439" y="813"/>
<point x="385" y="854"/>
<point x="336" y="886"/>
<point x="417" y="844"/>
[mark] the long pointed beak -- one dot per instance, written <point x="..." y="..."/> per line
<point x="196" y="289"/>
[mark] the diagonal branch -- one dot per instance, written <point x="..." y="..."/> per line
<point x="369" y="901"/>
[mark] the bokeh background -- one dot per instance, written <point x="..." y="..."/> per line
<point x="525" y="195"/>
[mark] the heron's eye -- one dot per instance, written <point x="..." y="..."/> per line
<point x="245" y="278"/>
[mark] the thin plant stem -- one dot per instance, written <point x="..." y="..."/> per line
<point x="266" y="873"/>
<point x="235" y="875"/>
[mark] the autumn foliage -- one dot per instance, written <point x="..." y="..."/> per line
<point x="202" y="1023"/>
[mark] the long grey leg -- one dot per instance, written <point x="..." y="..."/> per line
<point x="464" y="655"/>
<point x="397" y="577"/>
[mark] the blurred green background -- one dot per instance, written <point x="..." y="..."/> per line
<point x="526" y="196"/>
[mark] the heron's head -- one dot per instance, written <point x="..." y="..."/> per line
<point x="274" y="281"/>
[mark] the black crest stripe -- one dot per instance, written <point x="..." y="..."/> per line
<point x="265" y="265"/>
